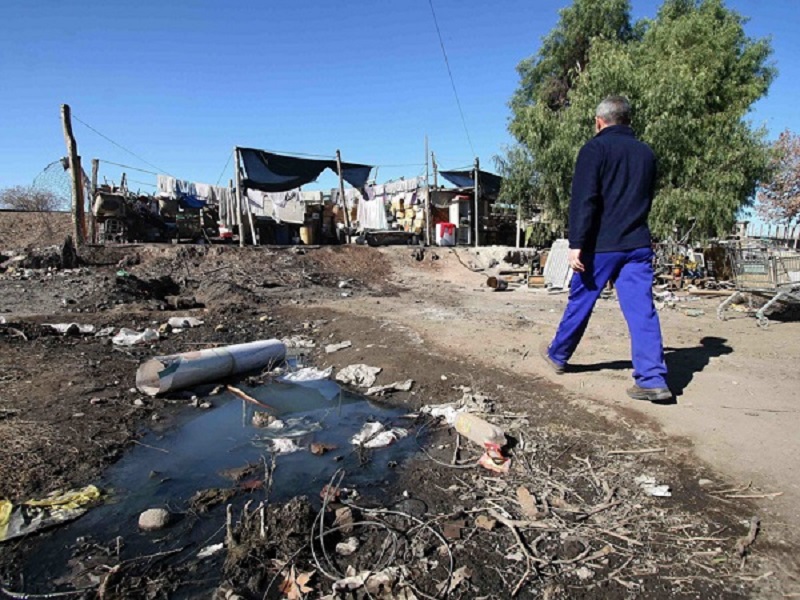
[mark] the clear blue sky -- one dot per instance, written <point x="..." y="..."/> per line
<point x="181" y="82"/>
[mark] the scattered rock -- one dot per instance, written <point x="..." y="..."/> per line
<point x="154" y="519"/>
<point x="330" y="348"/>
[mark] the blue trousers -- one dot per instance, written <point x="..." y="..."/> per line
<point x="632" y="274"/>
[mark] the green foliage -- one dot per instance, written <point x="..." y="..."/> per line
<point x="516" y="169"/>
<point x="548" y="76"/>
<point x="691" y="75"/>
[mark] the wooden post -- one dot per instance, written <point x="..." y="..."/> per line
<point x="243" y="201"/>
<point x="76" y="174"/>
<point x="477" y="189"/>
<point x="229" y="205"/>
<point x="427" y="198"/>
<point x="341" y="193"/>
<point x="519" y="220"/>
<point x="92" y="219"/>
<point x="238" y="202"/>
<point x="435" y="171"/>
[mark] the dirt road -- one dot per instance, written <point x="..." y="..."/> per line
<point x="737" y="385"/>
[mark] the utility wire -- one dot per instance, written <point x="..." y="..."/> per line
<point x="224" y="168"/>
<point x="452" y="81"/>
<point x="121" y="147"/>
<point x="109" y="162"/>
<point x="147" y="183"/>
<point x="329" y="157"/>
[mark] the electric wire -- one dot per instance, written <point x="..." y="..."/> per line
<point x="224" y="168"/>
<point x="120" y="146"/>
<point x="452" y="81"/>
<point x="142" y="182"/>
<point x="127" y="167"/>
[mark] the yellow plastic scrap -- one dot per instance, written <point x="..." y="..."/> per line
<point x="68" y="500"/>
<point x="5" y="514"/>
<point x="33" y="515"/>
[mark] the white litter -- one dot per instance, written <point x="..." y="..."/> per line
<point x="348" y="547"/>
<point x="331" y="348"/>
<point x="375" y="435"/>
<point x="284" y="446"/>
<point x="298" y="342"/>
<point x="448" y="412"/>
<point x="71" y="328"/>
<point x="210" y="550"/>
<point x="290" y="428"/>
<point x="129" y="337"/>
<point x="649" y="486"/>
<point x="397" y="386"/>
<point x="306" y="374"/>
<point x="184" y="322"/>
<point x="105" y="332"/>
<point x="360" y="375"/>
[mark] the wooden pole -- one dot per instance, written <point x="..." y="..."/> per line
<point x="244" y="201"/>
<point x="477" y="189"/>
<point x="435" y="171"/>
<point x="519" y="220"/>
<point x="229" y="205"/>
<point x="239" y="219"/>
<point x="92" y="218"/>
<point x="341" y="193"/>
<point x="76" y="174"/>
<point x="427" y="197"/>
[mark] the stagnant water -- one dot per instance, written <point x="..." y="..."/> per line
<point x="192" y="456"/>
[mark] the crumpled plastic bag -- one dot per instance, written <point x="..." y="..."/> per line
<point x="129" y="337"/>
<point x="34" y="515"/>
<point x="360" y="375"/>
<point x="375" y="435"/>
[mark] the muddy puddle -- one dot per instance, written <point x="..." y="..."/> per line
<point x="211" y="450"/>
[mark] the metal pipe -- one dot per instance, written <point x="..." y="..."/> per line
<point x="168" y="373"/>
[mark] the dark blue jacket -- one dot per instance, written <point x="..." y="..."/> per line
<point x="612" y="192"/>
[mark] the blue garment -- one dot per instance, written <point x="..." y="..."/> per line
<point x="632" y="273"/>
<point x="612" y="191"/>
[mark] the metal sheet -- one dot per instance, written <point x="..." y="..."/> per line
<point x="557" y="271"/>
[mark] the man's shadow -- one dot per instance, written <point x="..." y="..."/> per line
<point x="682" y="363"/>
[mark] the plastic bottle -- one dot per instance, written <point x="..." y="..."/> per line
<point x="479" y="431"/>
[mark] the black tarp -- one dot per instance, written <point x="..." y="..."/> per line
<point x="489" y="182"/>
<point x="271" y="172"/>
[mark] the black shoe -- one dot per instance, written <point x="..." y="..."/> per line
<point x="651" y="394"/>
<point x="544" y="351"/>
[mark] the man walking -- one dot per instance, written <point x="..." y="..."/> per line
<point x="609" y="240"/>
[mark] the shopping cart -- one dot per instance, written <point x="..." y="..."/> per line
<point x="763" y="271"/>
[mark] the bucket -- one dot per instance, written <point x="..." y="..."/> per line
<point x="445" y="234"/>
<point x="497" y="284"/>
<point x="307" y="235"/>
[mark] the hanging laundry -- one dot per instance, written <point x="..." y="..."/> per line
<point x="204" y="191"/>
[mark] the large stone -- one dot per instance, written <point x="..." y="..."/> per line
<point x="154" y="519"/>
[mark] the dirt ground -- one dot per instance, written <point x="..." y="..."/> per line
<point x="69" y="408"/>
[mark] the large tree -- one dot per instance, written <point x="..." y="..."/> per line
<point x="779" y="195"/>
<point x="691" y="75"/>
<point x="29" y="198"/>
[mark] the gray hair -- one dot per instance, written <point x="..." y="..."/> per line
<point x="615" y="110"/>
